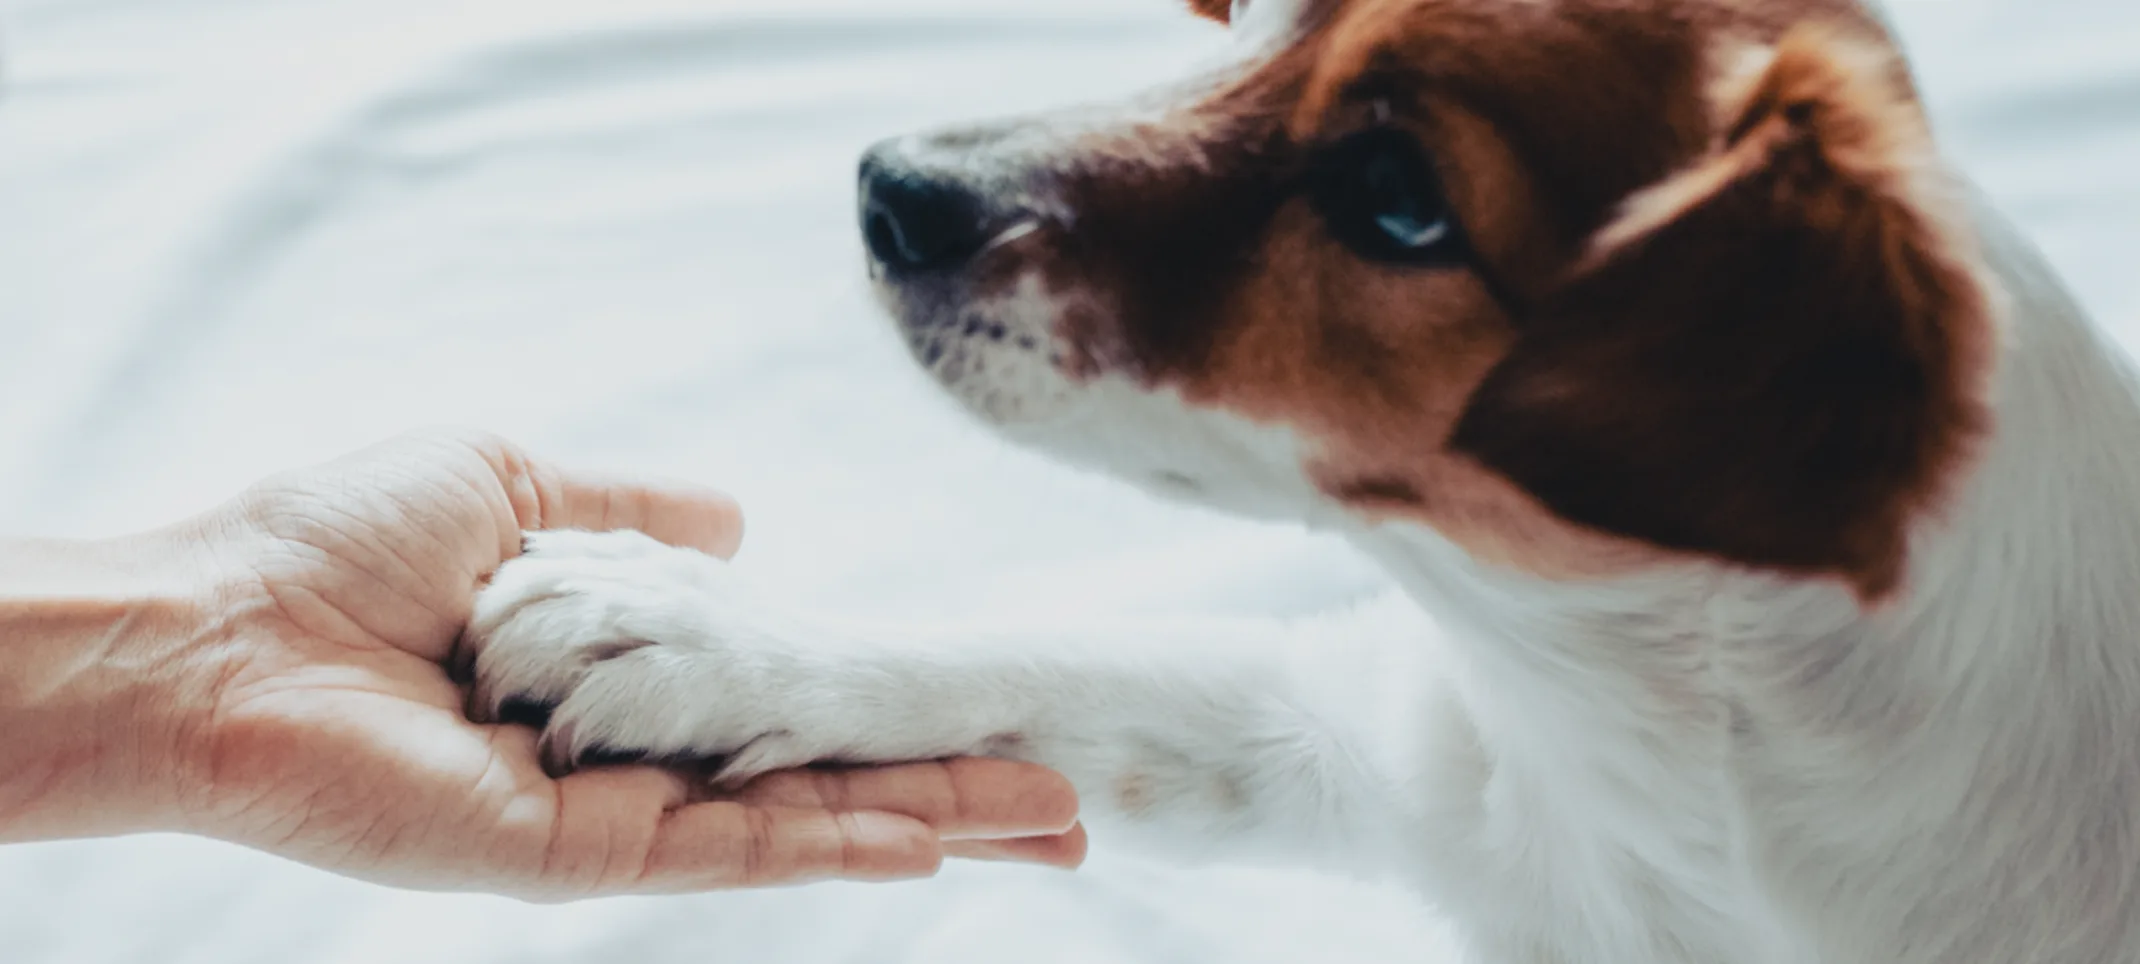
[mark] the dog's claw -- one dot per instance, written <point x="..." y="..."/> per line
<point x="483" y="704"/>
<point x="461" y="662"/>
<point x="559" y="758"/>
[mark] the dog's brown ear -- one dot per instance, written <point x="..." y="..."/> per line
<point x="1777" y="356"/>
<point x="1219" y="10"/>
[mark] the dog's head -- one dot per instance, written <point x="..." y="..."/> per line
<point x="1581" y="284"/>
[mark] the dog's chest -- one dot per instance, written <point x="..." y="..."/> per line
<point x="1599" y="809"/>
<point x="1603" y="836"/>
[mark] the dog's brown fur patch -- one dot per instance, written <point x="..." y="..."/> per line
<point x="1218" y="10"/>
<point x="1778" y="355"/>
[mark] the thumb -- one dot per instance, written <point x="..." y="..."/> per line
<point x="546" y="496"/>
<point x="678" y="513"/>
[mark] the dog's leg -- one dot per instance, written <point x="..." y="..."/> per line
<point x="1232" y="739"/>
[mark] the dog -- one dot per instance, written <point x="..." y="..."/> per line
<point x="1764" y="514"/>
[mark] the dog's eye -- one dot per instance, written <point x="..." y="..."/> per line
<point x="1380" y="197"/>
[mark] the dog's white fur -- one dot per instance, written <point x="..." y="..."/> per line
<point x="1688" y="766"/>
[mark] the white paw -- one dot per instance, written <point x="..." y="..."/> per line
<point x="641" y="650"/>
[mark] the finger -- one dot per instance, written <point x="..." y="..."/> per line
<point x="605" y="823"/>
<point x="1064" y="850"/>
<point x="962" y="799"/>
<point x="678" y="513"/>
<point x="630" y="830"/>
<point x="725" y="844"/>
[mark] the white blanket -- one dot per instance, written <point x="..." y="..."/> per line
<point x="241" y="234"/>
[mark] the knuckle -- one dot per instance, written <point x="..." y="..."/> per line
<point x="849" y="834"/>
<point x="761" y="846"/>
<point x="831" y="791"/>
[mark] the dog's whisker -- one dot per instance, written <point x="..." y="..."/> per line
<point x="1009" y="236"/>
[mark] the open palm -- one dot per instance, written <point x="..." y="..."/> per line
<point x="337" y="739"/>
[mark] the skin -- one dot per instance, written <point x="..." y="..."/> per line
<point x="271" y="673"/>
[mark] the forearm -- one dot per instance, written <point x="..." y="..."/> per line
<point x="94" y="648"/>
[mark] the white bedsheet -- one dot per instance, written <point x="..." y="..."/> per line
<point x="240" y="234"/>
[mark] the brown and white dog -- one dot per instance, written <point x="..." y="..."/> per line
<point x="1778" y="514"/>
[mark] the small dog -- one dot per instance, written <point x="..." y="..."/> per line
<point x="1777" y="512"/>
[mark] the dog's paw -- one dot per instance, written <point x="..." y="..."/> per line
<point x="639" y="650"/>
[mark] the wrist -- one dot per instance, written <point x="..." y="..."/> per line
<point x="102" y="671"/>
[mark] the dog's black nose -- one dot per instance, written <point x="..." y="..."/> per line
<point x="916" y="222"/>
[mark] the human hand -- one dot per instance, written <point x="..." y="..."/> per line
<point x="303" y="711"/>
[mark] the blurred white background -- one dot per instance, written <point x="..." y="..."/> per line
<point x="241" y="234"/>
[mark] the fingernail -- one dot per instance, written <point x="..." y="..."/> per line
<point x="1064" y="851"/>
